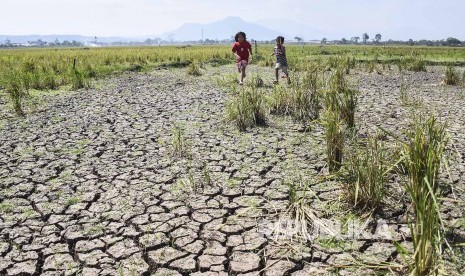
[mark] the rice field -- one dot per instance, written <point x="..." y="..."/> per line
<point x="154" y="161"/>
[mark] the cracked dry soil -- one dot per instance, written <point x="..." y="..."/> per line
<point x="90" y="185"/>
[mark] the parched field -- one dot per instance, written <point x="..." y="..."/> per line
<point x="91" y="183"/>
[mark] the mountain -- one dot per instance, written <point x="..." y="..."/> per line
<point x="223" y="29"/>
<point x="61" y="38"/>
<point x="292" y="29"/>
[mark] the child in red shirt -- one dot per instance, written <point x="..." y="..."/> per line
<point x="241" y="50"/>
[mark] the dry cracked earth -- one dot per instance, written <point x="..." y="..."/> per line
<point x="90" y="184"/>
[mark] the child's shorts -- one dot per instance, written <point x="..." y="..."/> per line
<point x="241" y="63"/>
<point x="280" y="66"/>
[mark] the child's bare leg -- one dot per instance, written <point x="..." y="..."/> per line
<point x="276" y="73"/>
<point x="242" y="74"/>
<point x="285" y="71"/>
<point x="287" y="74"/>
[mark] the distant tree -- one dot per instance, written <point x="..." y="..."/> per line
<point x="377" y="38"/>
<point x="355" y="39"/>
<point x="300" y="39"/>
<point x="209" y="41"/>
<point x="343" y="41"/>
<point x="76" y="43"/>
<point x="451" y="41"/>
<point x="324" y="40"/>
<point x="365" y="38"/>
<point x="411" y="42"/>
<point x="157" y="40"/>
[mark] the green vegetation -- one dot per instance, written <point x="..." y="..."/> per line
<point x="423" y="155"/>
<point x="22" y="70"/>
<point x="301" y="98"/>
<point x="366" y="168"/>
<point x="451" y="76"/>
<point x="247" y="108"/>
<point x="340" y="103"/>
<point x="335" y="136"/>
<point x="178" y="142"/>
<point x="194" y="70"/>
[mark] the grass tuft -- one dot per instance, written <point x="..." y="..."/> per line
<point x="422" y="155"/>
<point x="334" y="132"/>
<point x="451" y="76"/>
<point x="366" y="174"/>
<point x="17" y="92"/>
<point x="194" y="69"/>
<point x="247" y="108"/>
<point x="178" y="142"/>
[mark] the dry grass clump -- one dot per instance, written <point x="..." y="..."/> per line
<point x="194" y="69"/>
<point x="247" y="108"/>
<point x="300" y="99"/>
<point x="17" y="92"/>
<point x="366" y="170"/>
<point x="178" y="141"/>
<point x="415" y="64"/>
<point x="451" y="76"/>
<point x="422" y="159"/>
<point x="335" y="137"/>
<point x="340" y="104"/>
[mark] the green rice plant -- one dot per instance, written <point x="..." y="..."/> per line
<point x="344" y="63"/>
<point x="27" y="81"/>
<point x="451" y="76"/>
<point x="423" y="154"/>
<point x="281" y="100"/>
<point x="415" y="64"/>
<point x="333" y="62"/>
<point x="135" y="67"/>
<point x="366" y="173"/>
<point x="178" y="142"/>
<point x="370" y="66"/>
<point x="341" y="98"/>
<point x="334" y="133"/>
<point x="248" y="108"/>
<point x="16" y="91"/>
<point x="193" y="69"/>
<point x="28" y="66"/>
<point x="305" y="102"/>
<point x="349" y="99"/>
<point x="79" y="80"/>
<point x="206" y="175"/>
<point x="403" y="94"/>
<point x="308" y="102"/>
<point x="50" y="81"/>
<point x="90" y="71"/>
<point x="191" y="180"/>
<point x="256" y="81"/>
<point x="301" y="99"/>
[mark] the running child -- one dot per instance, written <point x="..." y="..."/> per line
<point x="281" y="60"/>
<point x="242" y="49"/>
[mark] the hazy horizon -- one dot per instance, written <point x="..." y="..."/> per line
<point x="394" y="19"/>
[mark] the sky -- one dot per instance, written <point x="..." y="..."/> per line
<point x="395" y="19"/>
